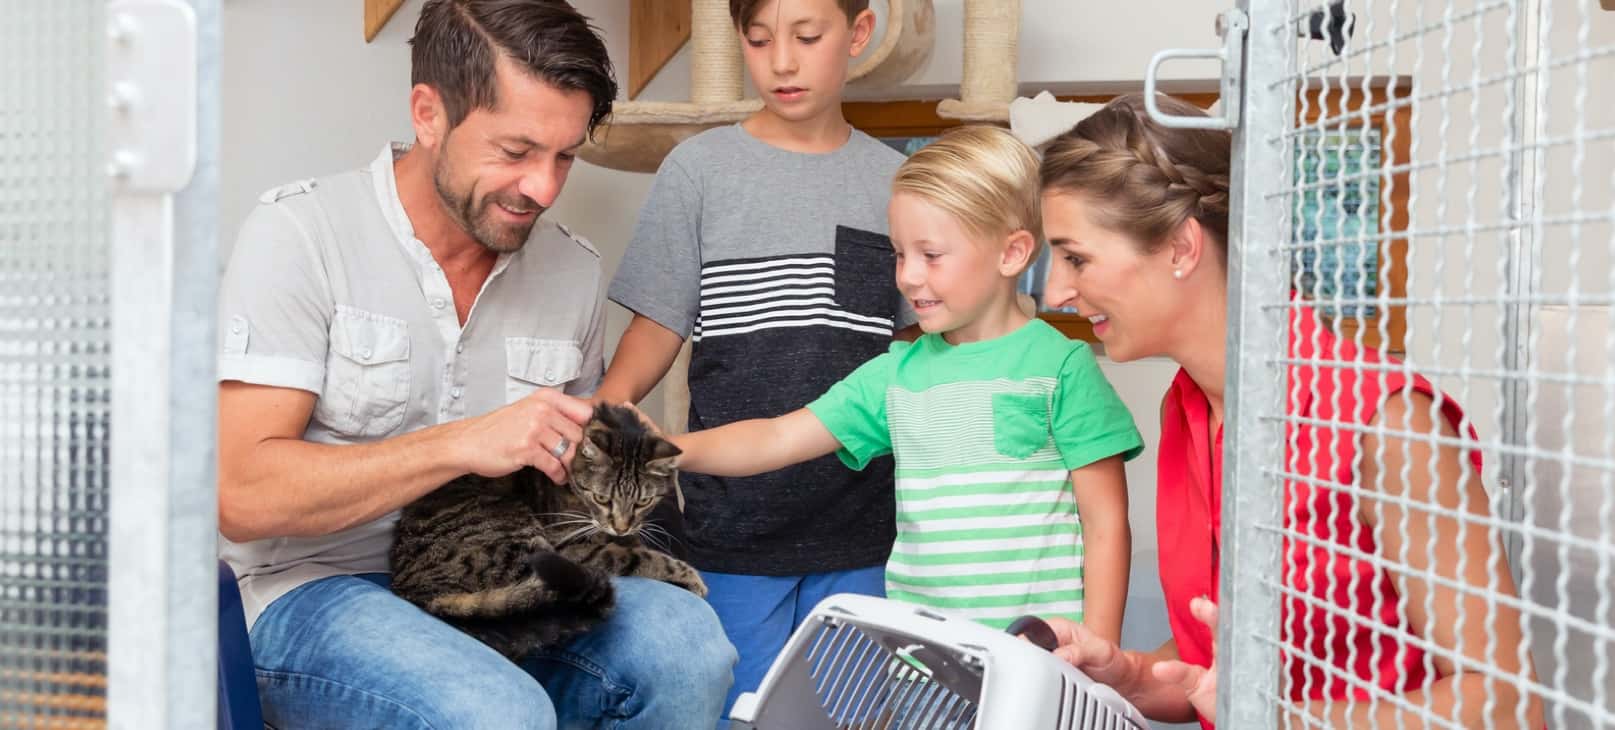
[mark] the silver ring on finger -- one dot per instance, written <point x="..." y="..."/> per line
<point x="560" y="447"/>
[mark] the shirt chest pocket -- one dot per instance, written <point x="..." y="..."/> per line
<point x="532" y="363"/>
<point x="1020" y="424"/>
<point x="367" y="374"/>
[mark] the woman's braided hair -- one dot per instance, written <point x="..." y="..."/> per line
<point x="1144" y="179"/>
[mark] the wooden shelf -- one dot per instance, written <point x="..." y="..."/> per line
<point x="376" y="15"/>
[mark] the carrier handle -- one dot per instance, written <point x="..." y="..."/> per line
<point x="1035" y="630"/>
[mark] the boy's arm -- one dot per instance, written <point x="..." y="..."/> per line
<point x="1107" y="543"/>
<point x="659" y="280"/>
<point x="644" y="354"/>
<point x="759" y="445"/>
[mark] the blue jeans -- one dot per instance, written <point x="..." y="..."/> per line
<point x="344" y="652"/>
<point x="759" y="612"/>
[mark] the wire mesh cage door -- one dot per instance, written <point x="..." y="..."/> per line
<point x="107" y="514"/>
<point x="1420" y="510"/>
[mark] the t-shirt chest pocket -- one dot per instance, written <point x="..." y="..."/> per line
<point x="864" y="266"/>
<point x="367" y="374"/>
<point x="532" y="363"/>
<point x="1020" y="424"/>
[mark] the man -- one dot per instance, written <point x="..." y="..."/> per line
<point x="387" y="329"/>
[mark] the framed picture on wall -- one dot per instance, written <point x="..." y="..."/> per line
<point x="1335" y="218"/>
<point x="1349" y="209"/>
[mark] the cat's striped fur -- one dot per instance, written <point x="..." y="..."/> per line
<point x="522" y="563"/>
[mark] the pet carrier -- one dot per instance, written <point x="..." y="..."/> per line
<point x="862" y="663"/>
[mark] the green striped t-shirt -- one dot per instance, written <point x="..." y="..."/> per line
<point x="985" y="435"/>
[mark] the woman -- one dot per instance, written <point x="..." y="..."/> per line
<point x="1138" y="217"/>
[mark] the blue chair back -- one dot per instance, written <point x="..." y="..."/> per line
<point x="238" y="685"/>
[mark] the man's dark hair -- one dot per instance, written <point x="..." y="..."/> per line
<point x="457" y="41"/>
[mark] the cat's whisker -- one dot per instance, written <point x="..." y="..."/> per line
<point x="573" y="514"/>
<point x="662" y="533"/>
<point x="652" y="540"/>
<point x="580" y="532"/>
<point x="651" y="529"/>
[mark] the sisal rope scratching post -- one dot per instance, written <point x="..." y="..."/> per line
<point x="991" y="47"/>
<point x="715" y="66"/>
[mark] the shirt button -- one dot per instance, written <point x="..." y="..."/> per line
<point x="438" y="303"/>
<point x="455" y="394"/>
<point x="549" y="374"/>
<point x="460" y="347"/>
<point x="364" y="354"/>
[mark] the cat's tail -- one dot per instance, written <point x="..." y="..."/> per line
<point x="571" y="583"/>
<point x="554" y="580"/>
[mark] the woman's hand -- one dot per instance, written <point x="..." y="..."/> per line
<point x="1157" y="683"/>
<point x="1199" y="683"/>
<point x="1099" y="658"/>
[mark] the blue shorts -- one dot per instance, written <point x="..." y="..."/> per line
<point x="759" y="612"/>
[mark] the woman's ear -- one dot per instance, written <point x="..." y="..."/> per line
<point x="1189" y="247"/>
<point x="1020" y="250"/>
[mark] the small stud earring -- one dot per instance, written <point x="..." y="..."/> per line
<point x="1177" y="273"/>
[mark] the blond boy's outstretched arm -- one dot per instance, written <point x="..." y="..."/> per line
<point x="744" y="448"/>
<point x="1107" y="544"/>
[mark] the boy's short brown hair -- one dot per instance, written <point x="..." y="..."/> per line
<point x="743" y="11"/>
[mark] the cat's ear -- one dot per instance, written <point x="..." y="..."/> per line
<point x="664" y="449"/>
<point x="663" y="459"/>
<point x="596" y="440"/>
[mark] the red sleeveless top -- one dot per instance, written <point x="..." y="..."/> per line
<point x="1188" y="517"/>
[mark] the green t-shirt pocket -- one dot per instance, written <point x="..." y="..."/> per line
<point x="1020" y="424"/>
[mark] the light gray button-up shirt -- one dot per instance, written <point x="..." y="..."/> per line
<point x="329" y="291"/>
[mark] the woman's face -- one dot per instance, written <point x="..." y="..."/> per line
<point x="1129" y="295"/>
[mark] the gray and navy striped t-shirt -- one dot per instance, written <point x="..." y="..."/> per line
<point x="776" y="265"/>
<point x="986" y="435"/>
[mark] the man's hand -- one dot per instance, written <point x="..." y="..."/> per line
<point x="525" y="433"/>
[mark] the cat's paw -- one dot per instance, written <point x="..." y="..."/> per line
<point x="691" y="582"/>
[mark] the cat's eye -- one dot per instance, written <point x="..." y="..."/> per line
<point x="600" y="499"/>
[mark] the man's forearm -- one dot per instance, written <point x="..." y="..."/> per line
<point x="290" y="487"/>
<point x="643" y="356"/>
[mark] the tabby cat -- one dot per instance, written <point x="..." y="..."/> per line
<point x="521" y="563"/>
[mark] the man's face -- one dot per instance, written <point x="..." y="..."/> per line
<point x="500" y="168"/>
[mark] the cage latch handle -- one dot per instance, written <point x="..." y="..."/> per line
<point x="1231" y="25"/>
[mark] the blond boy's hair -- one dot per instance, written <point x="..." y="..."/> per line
<point x="982" y="176"/>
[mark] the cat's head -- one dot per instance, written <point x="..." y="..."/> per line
<point x="622" y="469"/>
